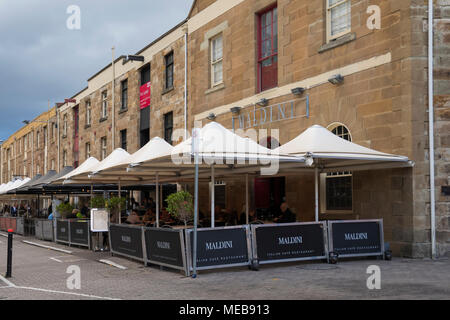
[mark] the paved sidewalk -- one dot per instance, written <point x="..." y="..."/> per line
<point x="41" y="274"/>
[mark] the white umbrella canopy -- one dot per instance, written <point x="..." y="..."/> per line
<point x="85" y="167"/>
<point x="330" y="151"/>
<point x="14" y="185"/>
<point x="93" y="174"/>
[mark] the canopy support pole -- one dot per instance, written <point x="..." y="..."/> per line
<point x="213" y="217"/>
<point x="120" y="207"/>
<point x="157" y="200"/>
<point x="316" y="191"/>
<point x="246" y="199"/>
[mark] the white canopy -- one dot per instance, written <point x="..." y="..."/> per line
<point x="85" y="167"/>
<point x="330" y="151"/>
<point x="117" y="157"/>
<point x="14" y="185"/>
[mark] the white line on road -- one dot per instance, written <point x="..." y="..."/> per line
<point x="7" y="282"/>
<point x="113" y="264"/>
<point x="46" y="247"/>
<point x="4" y="235"/>
<point x="68" y="293"/>
<point x="54" y="259"/>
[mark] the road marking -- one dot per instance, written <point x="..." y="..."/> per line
<point x="7" y="282"/>
<point x="54" y="259"/>
<point x="68" y="293"/>
<point x="4" y="235"/>
<point x="113" y="264"/>
<point x="46" y="247"/>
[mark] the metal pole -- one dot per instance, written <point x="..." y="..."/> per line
<point x="316" y="195"/>
<point x="431" y="126"/>
<point x="185" y="81"/>
<point x="157" y="200"/>
<point x="113" y="102"/>
<point x="213" y="217"/>
<point x="120" y="207"/>
<point x="9" y="258"/>
<point x="195" y="142"/>
<point x="246" y="200"/>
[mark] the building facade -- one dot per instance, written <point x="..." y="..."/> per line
<point x="358" y="68"/>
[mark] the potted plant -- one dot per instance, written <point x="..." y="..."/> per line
<point x="64" y="209"/>
<point x="180" y="206"/>
<point x="98" y="203"/>
<point x="115" y="206"/>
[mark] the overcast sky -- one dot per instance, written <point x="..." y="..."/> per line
<point x="41" y="59"/>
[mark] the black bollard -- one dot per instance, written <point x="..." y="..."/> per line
<point x="9" y="262"/>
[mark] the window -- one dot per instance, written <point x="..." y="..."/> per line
<point x="88" y="150"/>
<point x="337" y="187"/>
<point x="65" y="126"/>
<point x="168" y="60"/>
<point x="268" y="49"/>
<point x="88" y="113"/>
<point x="64" y="158"/>
<point x="37" y="140"/>
<point x="124" y="100"/>
<point x="53" y="164"/>
<point x="104" y="104"/>
<point x="123" y="139"/>
<point x="216" y="60"/>
<point x="168" y="127"/>
<point x="338" y="18"/>
<point x="103" y="148"/>
<point x="145" y="75"/>
<point x="45" y="136"/>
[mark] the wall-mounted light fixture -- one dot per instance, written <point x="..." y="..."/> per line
<point x="211" y="117"/>
<point x="263" y="102"/>
<point x="133" y="58"/>
<point x="298" y="91"/>
<point x="337" y="79"/>
<point x="236" y="110"/>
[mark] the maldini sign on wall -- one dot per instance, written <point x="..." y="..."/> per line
<point x="145" y="95"/>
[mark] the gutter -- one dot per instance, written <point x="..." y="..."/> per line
<point x="431" y="127"/>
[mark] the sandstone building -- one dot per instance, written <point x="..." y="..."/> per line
<point x="265" y="64"/>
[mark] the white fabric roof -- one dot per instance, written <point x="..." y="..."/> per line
<point x="14" y="185"/>
<point x="85" y="167"/>
<point x="330" y="150"/>
<point x="217" y="142"/>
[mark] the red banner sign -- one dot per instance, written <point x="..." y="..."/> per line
<point x="145" y="95"/>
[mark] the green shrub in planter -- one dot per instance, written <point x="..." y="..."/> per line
<point x="64" y="209"/>
<point x="180" y="205"/>
<point x="98" y="203"/>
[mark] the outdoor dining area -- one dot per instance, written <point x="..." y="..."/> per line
<point x="177" y="222"/>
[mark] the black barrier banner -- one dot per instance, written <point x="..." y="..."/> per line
<point x="285" y="242"/>
<point x="356" y="237"/>
<point x="62" y="230"/>
<point x="164" y="246"/>
<point x="79" y="232"/>
<point x="221" y="247"/>
<point x="126" y="240"/>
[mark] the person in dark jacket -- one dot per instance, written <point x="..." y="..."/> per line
<point x="286" y="216"/>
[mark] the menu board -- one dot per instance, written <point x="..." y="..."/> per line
<point x="99" y="220"/>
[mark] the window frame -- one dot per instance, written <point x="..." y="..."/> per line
<point x="87" y="150"/>
<point x="328" y="9"/>
<point x="104" y="108"/>
<point x="124" y="95"/>
<point x="168" y="65"/>
<point x="334" y="175"/>
<point x="88" y="113"/>
<point x="215" y="62"/>
<point x="103" y="148"/>
<point x="259" y="57"/>
<point x="123" y="139"/>
<point x="166" y="128"/>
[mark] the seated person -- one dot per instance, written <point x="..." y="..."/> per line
<point x="243" y="218"/>
<point x="149" y="217"/>
<point x="286" y="215"/>
<point x="72" y="215"/>
<point x="133" y="218"/>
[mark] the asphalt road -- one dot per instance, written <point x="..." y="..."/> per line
<point x="42" y="274"/>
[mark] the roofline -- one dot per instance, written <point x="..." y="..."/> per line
<point x="107" y="66"/>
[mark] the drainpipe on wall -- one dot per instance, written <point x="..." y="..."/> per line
<point x="113" y="102"/>
<point x="185" y="79"/>
<point x="431" y="127"/>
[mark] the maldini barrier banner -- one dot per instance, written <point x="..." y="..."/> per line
<point x="165" y="247"/>
<point x="126" y="240"/>
<point x="356" y="238"/>
<point x="220" y="247"/>
<point x="289" y="242"/>
<point x="79" y="233"/>
<point x="62" y="231"/>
